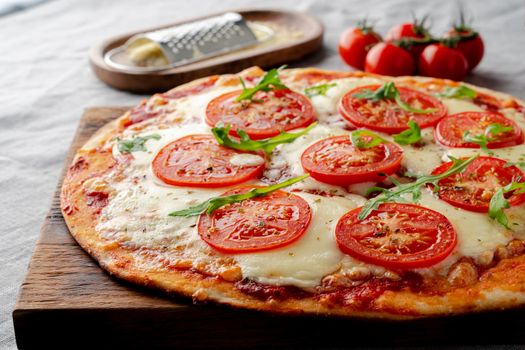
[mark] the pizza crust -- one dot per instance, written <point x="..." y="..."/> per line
<point x="499" y="287"/>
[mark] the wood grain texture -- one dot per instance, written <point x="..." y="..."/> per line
<point x="264" y="56"/>
<point x="67" y="301"/>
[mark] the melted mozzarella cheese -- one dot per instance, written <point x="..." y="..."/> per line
<point x="326" y="105"/>
<point x="514" y="154"/>
<point x="246" y="159"/>
<point x="421" y="160"/>
<point x="153" y="146"/>
<point x="455" y="105"/>
<point x="305" y="262"/>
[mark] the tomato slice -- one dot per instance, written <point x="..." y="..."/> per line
<point x="336" y="161"/>
<point x="256" y="224"/>
<point x="198" y="160"/>
<point x="398" y="236"/>
<point x="385" y="115"/>
<point x="450" y="130"/>
<point x="474" y="187"/>
<point x="266" y="116"/>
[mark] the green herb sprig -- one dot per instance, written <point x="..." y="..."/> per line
<point x="388" y="91"/>
<point x="135" y="144"/>
<point x="318" y="89"/>
<point x="245" y="143"/>
<point x="269" y="82"/>
<point x="483" y="139"/>
<point x="363" y="139"/>
<point x="498" y="202"/>
<point x="461" y="92"/>
<point x="413" y="188"/>
<point x="215" y="203"/>
<point x="410" y="136"/>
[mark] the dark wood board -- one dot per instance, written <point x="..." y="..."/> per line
<point x="263" y="56"/>
<point x="67" y="301"/>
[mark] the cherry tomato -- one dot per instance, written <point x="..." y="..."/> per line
<point x="471" y="45"/>
<point x="355" y="43"/>
<point x="440" y="61"/>
<point x="473" y="188"/>
<point x="451" y="129"/>
<point x="256" y="224"/>
<point x="269" y="114"/>
<point x="397" y="236"/>
<point x="198" y="160"/>
<point x="388" y="59"/>
<point x="336" y="161"/>
<point x="414" y="30"/>
<point x="385" y="115"/>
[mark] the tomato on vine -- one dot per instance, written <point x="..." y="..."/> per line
<point x="389" y="59"/>
<point x="469" y="42"/>
<point x="415" y="35"/>
<point x="355" y="43"/>
<point x="443" y="61"/>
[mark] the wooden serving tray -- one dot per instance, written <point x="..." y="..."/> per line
<point x="68" y="302"/>
<point x="264" y="56"/>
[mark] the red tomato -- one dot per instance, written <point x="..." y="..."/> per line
<point x="336" y="161"/>
<point x="197" y="160"/>
<point x="473" y="188"/>
<point x="397" y="236"/>
<point x="406" y="30"/>
<point x="440" y="61"/>
<point x="385" y="115"/>
<point x="273" y="112"/>
<point x="450" y="130"/>
<point x="471" y="45"/>
<point x="256" y="224"/>
<point x="388" y="59"/>
<point x="355" y="43"/>
<point x="409" y="30"/>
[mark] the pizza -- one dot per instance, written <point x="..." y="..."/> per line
<point x="305" y="191"/>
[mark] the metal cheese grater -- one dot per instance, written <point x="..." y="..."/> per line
<point x="193" y="41"/>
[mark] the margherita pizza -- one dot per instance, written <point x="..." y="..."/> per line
<point x="310" y="191"/>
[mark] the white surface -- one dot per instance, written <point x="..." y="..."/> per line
<point x="46" y="82"/>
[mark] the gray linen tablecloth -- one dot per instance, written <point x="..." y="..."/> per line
<point x="46" y="82"/>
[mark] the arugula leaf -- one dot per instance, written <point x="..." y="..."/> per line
<point x="318" y="89"/>
<point x="388" y="91"/>
<point x="483" y="139"/>
<point x="365" y="139"/>
<point x="413" y="188"/>
<point x="135" y="144"/>
<point x="459" y="92"/>
<point x="498" y="202"/>
<point x="410" y="136"/>
<point x="269" y="82"/>
<point x="247" y="144"/>
<point x="216" y="202"/>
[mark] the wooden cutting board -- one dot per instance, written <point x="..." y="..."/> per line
<point x="67" y="301"/>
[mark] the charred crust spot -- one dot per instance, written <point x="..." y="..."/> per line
<point x="79" y="165"/>
<point x="267" y="292"/>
